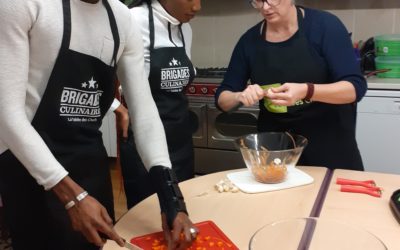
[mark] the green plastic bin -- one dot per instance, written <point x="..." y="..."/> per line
<point x="388" y="62"/>
<point x="387" y="45"/>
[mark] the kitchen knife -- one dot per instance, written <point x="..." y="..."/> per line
<point x="127" y="244"/>
<point x="131" y="246"/>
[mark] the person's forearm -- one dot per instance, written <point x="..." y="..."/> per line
<point x="67" y="190"/>
<point x="341" y="92"/>
<point x="145" y="119"/>
<point x="228" y="99"/>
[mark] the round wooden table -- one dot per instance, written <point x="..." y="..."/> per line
<point x="239" y="215"/>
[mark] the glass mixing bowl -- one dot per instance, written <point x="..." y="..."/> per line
<point x="268" y="155"/>
<point x="313" y="234"/>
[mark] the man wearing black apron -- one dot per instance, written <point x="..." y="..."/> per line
<point x="78" y="94"/>
<point x="62" y="148"/>
<point x="329" y="128"/>
<point x="170" y="72"/>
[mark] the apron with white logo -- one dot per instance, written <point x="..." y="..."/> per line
<point x="170" y="72"/>
<point x="79" y="92"/>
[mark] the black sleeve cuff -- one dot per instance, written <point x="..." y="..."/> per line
<point x="169" y="194"/>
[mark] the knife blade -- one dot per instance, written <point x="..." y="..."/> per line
<point x="127" y="244"/>
<point x="131" y="246"/>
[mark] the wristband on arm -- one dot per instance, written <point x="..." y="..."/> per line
<point x="310" y="91"/>
<point x="168" y="192"/>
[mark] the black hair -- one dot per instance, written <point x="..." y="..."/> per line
<point x="136" y="3"/>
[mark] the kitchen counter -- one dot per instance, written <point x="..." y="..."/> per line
<point x="238" y="215"/>
<point x="365" y="211"/>
<point x="383" y="83"/>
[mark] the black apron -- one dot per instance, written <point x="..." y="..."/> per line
<point x="330" y="129"/>
<point x="79" y="92"/>
<point x="170" y="72"/>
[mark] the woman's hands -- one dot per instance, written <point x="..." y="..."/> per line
<point x="251" y="95"/>
<point x="287" y="94"/>
<point x="180" y="236"/>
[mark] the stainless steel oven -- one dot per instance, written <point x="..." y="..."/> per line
<point x="198" y="114"/>
<point x="224" y="128"/>
<point x="213" y="139"/>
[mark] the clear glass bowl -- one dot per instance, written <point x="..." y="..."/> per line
<point x="314" y="234"/>
<point x="268" y="155"/>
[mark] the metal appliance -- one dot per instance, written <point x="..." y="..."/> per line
<point x="213" y="139"/>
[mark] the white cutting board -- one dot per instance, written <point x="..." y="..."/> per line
<point x="245" y="181"/>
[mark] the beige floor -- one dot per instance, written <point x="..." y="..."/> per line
<point x="119" y="194"/>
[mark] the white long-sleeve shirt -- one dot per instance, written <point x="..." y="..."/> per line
<point x="30" y="39"/>
<point x="161" y="36"/>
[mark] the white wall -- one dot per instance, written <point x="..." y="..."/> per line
<point x="219" y="25"/>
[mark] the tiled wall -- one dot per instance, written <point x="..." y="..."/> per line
<point x="219" y="25"/>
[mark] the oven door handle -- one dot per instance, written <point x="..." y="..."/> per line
<point x="197" y="105"/>
<point x="225" y="138"/>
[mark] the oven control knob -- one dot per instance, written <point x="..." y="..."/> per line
<point x="192" y="90"/>
<point x="204" y="90"/>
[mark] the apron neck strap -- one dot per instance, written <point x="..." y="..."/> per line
<point x="151" y="25"/>
<point x="114" y="30"/>
<point x="169" y="34"/>
<point x="151" y="28"/>
<point x="299" y="18"/>
<point x="183" y="38"/>
<point x="67" y="28"/>
<point x="67" y="24"/>
<point x="180" y="31"/>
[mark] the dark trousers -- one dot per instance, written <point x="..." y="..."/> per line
<point x="35" y="217"/>
<point x="137" y="183"/>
